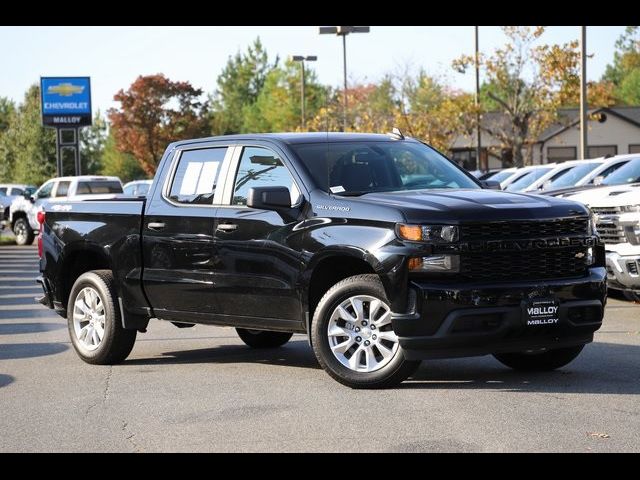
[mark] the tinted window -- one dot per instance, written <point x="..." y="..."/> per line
<point x="196" y="176"/>
<point x="573" y="175"/>
<point x="260" y="167"/>
<point x="608" y="171"/>
<point x="17" y="191"/>
<point x="363" y="167"/>
<point x="98" y="187"/>
<point x="501" y="176"/>
<point x="45" y="190"/>
<point x="528" y="179"/>
<point x="3" y="191"/>
<point x="630" y="173"/>
<point x="63" y="189"/>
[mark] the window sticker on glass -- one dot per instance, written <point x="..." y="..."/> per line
<point x="338" y="189"/>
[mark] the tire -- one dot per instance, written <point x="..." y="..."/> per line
<point x="23" y="232"/>
<point x="358" y="366"/>
<point x="631" y="296"/>
<point x="263" y="338"/>
<point x="539" y="362"/>
<point x="116" y="342"/>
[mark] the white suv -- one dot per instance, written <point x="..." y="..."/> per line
<point x="23" y="211"/>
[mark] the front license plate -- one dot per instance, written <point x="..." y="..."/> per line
<point x="541" y="311"/>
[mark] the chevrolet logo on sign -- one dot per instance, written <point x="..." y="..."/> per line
<point x="65" y="89"/>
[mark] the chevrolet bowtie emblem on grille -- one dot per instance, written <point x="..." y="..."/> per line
<point x="580" y="255"/>
<point x="65" y="89"/>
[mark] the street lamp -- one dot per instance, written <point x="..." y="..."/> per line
<point x="302" y="59"/>
<point x="343" y="32"/>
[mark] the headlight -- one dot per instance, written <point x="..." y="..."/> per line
<point x="428" y="233"/>
<point x="435" y="263"/>
<point x="630" y="209"/>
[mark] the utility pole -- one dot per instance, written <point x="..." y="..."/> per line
<point x="301" y="59"/>
<point x="584" y="146"/>
<point x="480" y="164"/>
<point x="343" y="32"/>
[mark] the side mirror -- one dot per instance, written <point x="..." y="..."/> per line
<point x="269" y="198"/>
<point x="490" y="184"/>
<point x="598" y="180"/>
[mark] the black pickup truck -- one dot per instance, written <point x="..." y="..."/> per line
<point x="377" y="247"/>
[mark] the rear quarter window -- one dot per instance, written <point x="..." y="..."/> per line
<point x="98" y="187"/>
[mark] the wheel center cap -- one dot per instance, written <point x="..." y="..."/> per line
<point x="365" y="333"/>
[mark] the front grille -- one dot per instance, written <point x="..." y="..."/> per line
<point x="610" y="233"/>
<point x="632" y="267"/>
<point x="526" y="229"/>
<point x="526" y="265"/>
<point x="606" y="210"/>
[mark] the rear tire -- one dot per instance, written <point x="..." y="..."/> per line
<point x="353" y="320"/>
<point x="94" y="321"/>
<point x="23" y="232"/>
<point x="263" y="338"/>
<point x="539" y="362"/>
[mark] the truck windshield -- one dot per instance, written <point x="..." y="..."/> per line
<point x="573" y="175"/>
<point x="356" y="168"/>
<point x="630" y="173"/>
<point x="528" y="178"/>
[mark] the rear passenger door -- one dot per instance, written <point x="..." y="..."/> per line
<point x="178" y="235"/>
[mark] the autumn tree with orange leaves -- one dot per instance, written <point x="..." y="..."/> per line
<point x="154" y="112"/>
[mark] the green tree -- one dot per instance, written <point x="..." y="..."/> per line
<point x="119" y="164"/>
<point x="278" y="105"/>
<point x="623" y="72"/>
<point x="238" y="88"/>
<point x="92" y="143"/>
<point x="7" y="109"/>
<point x="27" y="149"/>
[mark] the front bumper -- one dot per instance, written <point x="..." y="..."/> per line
<point x="623" y="271"/>
<point x="463" y="320"/>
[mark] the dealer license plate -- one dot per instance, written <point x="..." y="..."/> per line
<point x="541" y="311"/>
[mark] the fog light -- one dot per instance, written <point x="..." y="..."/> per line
<point x="435" y="263"/>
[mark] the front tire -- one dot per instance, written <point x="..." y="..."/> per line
<point x="539" y="362"/>
<point x="23" y="232"/>
<point x="94" y="321"/>
<point x="353" y="338"/>
<point x="263" y="338"/>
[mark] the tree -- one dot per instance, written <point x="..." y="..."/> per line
<point x="92" y="142"/>
<point x="27" y="149"/>
<point x="238" y="88"/>
<point x="623" y="73"/>
<point x="154" y="112"/>
<point x="528" y="83"/>
<point x="7" y="109"/>
<point x="277" y="107"/>
<point x="116" y="163"/>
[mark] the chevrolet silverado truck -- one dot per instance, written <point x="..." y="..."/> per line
<point x="377" y="247"/>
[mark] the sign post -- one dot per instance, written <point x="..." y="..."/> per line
<point x="66" y="106"/>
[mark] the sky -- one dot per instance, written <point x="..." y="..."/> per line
<point x="114" y="56"/>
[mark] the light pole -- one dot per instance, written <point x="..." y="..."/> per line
<point x="343" y="32"/>
<point x="302" y="59"/>
<point x="583" y="93"/>
<point x="479" y="163"/>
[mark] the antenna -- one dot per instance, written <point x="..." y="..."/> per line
<point x="396" y="134"/>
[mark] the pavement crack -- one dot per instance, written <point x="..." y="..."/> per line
<point x="131" y="437"/>
<point x="105" y="393"/>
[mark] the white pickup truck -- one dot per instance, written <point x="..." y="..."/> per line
<point x="23" y="210"/>
<point x="617" y="210"/>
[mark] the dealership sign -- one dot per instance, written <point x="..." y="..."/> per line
<point x="66" y="101"/>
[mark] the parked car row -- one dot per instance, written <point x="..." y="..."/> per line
<point x="20" y="204"/>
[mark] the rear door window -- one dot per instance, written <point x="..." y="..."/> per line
<point x="98" y="187"/>
<point x="196" y="176"/>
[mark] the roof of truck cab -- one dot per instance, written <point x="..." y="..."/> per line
<point x="296" y="138"/>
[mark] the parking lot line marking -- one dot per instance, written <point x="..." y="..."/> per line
<point x="17" y="295"/>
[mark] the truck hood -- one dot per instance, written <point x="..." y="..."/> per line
<point x="471" y="205"/>
<point x="615" y="195"/>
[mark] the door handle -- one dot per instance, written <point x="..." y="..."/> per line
<point x="156" y="225"/>
<point x="227" y="227"/>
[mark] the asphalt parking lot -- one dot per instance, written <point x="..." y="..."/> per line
<point x="202" y="389"/>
